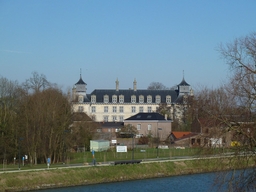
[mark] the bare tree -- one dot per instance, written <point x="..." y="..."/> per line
<point x="157" y="86"/>
<point x="230" y="110"/>
<point x="44" y="118"/>
<point x="36" y="83"/>
<point x="9" y="91"/>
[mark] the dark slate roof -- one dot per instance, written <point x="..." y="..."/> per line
<point x="184" y="83"/>
<point x="127" y="93"/>
<point x="146" y="116"/>
<point x="80" y="82"/>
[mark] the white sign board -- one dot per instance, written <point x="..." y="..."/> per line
<point x="121" y="149"/>
<point x="113" y="141"/>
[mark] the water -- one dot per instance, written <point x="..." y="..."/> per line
<point x="196" y="183"/>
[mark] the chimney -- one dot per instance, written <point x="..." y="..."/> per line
<point x="135" y="85"/>
<point x="117" y="85"/>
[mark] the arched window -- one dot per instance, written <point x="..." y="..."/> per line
<point x="149" y="99"/>
<point x="133" y="99"/>
<point x="106" y="99"/>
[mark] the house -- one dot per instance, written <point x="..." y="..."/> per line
<point x="115" y="105"/>
<point x="108" y="130"/>
<point x="153" y="124"/>
<point x="184" y="139"/>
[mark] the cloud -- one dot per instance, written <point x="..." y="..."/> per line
<point x="11" y="51"/>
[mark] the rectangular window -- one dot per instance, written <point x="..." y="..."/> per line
<point x="149" y="109"/>
<point x="106" y="109"/>
<point x="141" y="109"/>
<point x="138" y="127"/>
<point x="114" y="109"/>
<point x="121" y="118"/>
<point x="133" y="109"/>
<point x="114" y="118"/>
<point x="168" y="99"/>
<point x="109" y="130"/>
<point x="80" y="109"/>
<point x="93" y="109"/>
<point x="121" y="109"/>
<point x="105" y="118"/>
<point x="149" y="127"/>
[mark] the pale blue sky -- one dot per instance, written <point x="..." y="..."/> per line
<point x="150" y="40"/>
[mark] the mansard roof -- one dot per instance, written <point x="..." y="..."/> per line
<point x="146" y="116"/>
<point x="183" y="83"/>
<point x="127" y="93"/>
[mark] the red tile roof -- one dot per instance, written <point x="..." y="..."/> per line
<point x="178" y="134"/>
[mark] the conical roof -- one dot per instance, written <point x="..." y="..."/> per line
<point x="80" y="82"/>
<point x="184" y="83"/>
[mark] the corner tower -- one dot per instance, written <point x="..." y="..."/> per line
<point x="79" y="90"/>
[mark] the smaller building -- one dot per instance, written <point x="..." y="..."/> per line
<point x="99" y="145"/>
<point x="153" y="124"/>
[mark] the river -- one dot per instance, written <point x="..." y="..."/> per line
<point x="195" y="183"/>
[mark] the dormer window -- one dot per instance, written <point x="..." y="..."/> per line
<point x="141" y="99"/>
<point x="158" y="99"/>
<point x="133" y="99"/>
<point x="149" y="99"/>
<point x="106" y="99"/>
<point x="121" y="99"/>
<point x="168" y="99"/>
<point x="80" y="99"/>
<point x="93" y="99"/>
<point x="114" y="99"/>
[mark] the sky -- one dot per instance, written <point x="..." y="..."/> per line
<point x="147" y="40"/>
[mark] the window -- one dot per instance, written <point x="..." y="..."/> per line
<point x="149" y="109"/>
<point x="98" y="130"/>
<point x="141" y="109"/>
<point x="121" y="109"/>
<point x="168" y="99"/>
<point x="105" y="118"/>
<point x="133" y="99"/>
<point x="149" y="127"/>
<point x="141" y="99"/>
<point x="105" y="109"/>
<point x="109" y="130"/>
<point x="106" y="99"/>
<point x="121" y="99"/>
<point x="114" y="119"/>
<point x="138" y="127"/>
<point x="80" y="99"/>
<point x="93" y="109"/>
<point x="133" y="109"/>
<point x="114" y="99"/>
<point x="121" y="118"/>
<point x="149" y="99"/>
<point x="158" y="99"/>
<point x="114" y="109"/>
<point x="80" y="109"/>
<point x="93" y="99"/>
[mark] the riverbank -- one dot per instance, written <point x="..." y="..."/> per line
<point x="53" y="178"/>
